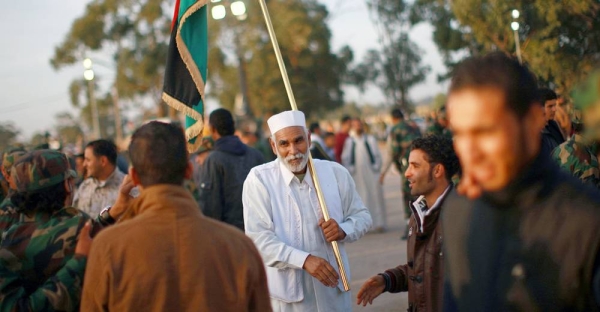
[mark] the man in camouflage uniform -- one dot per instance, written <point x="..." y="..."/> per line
<point x="401" y="137"/>
<point x="8" y="160"/>
<point x="577" y="155"/>
<point x="583" y="161"/>
<point x="41" y="261"/>
<point x="440" y="125"/>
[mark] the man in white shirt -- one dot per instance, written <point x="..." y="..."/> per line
<point x="101" y="187"/>
<point x="284" y="219"/>
<point x="362" y="158"/>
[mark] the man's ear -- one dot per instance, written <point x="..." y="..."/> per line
<point x="68" y="186"/>
<point x="189" y="171"/>
<point x="104" y="161"/>
<point x="439" y="171"/>
<point x="134" y="176"/>
<point x="273" y="147"/>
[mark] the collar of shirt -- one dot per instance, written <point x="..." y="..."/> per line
<point x="289" y="176"/>
<point x="104" y="183"/>
<point x="438" y="201"/>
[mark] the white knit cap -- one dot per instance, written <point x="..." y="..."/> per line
<point x="286" y="119"/>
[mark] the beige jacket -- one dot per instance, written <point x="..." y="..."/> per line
<point x="169" y="257"/>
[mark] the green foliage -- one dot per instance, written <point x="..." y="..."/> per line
<point x="67" y="128"/>
<point x="8" y="136"/>
<point x="560" y="40"/>
<point x="135" y="32"/>
<point x="396" y="67"/>
<point x="316" y="73"/>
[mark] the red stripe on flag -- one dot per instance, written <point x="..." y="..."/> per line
<point x="175" y="15"/>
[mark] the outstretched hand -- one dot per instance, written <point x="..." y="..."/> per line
<point x="370" y="290"/>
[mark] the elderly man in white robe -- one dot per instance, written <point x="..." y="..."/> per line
<point x="283" y="217"/>
<point x="361" y="156"/>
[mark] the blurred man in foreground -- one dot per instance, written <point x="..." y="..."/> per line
<point x="164" y="252"/>
<point x="525" y="236"/>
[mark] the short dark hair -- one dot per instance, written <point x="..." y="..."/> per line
<point x="397" y="113"/>
<point x="314" y="126"/>
<point x="104" y="148"/>
<point x="346" y="118"/>
<point x="497" y="70"/>
<point x="158" y="154"/>
<point x="48" y="199"/>
<point x="545" y="94"/>
<point x="222" y="120"/>
<point x="439" y="150"/>
<point x="328" y="134"/>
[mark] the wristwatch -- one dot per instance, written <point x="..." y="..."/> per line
<point x="105" y="218"/>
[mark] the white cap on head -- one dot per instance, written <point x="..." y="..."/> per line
<point x="286" y="119"/>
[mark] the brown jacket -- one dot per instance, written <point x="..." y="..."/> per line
<point x="423" y="275"/>
<point x="169" y="257"/>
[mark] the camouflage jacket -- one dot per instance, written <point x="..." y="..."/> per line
<point x="402" y="135"/>
<point x="437" y="129"/>
<point x="94" y="195"/>
<point x="579" y="158"/>
<point x="38" y="268"/>
<point x="8" y="214"/>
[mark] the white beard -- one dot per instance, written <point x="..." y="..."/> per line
<point x="295" y="168"/>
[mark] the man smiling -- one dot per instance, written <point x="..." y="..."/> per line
<point x="431" y="165"/>
<point x="283" y="217"/>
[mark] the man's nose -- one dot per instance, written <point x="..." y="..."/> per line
<point x="294" y="149"/>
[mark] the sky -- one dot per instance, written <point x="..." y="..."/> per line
<point x="32" y="92"/>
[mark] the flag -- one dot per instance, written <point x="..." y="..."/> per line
<point x="185" y="72"/>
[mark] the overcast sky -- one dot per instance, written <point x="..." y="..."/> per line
<point x="32" y="93"/>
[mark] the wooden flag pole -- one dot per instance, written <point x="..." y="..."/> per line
<point x="311" y="167"/>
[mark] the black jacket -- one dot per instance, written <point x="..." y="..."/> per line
<point x="529" y="247"/>
<point x="223" y="174"/>
<point x="551" y="137"/>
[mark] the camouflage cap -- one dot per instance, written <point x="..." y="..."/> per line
<point x="206" y="145"/>
<point x="11" y="155"/>
<point x="41" y="169"/>
<point x="588" y="92"/>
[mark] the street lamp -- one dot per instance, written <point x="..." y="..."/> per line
<point x="88" y="74"/>
<point x="515" y="14"/>
<point x="238" y="9"/>
<point x="515" y="27"/>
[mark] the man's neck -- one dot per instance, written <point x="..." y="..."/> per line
<point x="432" y="197"/>
<point x="105" y="175"/>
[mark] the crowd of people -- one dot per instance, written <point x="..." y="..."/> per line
<point x="501" y="199"/>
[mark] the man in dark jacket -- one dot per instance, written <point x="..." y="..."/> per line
<point x="525" y="237"/>
<point x="431" y="165"/>
<point x="225" y="171"/>
<point x="552" y="137"/>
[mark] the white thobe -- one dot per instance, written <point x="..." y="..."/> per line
<point x="281" y="216"/>
<point x="366" y="174"/>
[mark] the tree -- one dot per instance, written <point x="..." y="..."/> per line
<point x="67" y="128"/>
<point x="396" y="67"/>
<point x="8" y="135"/>
<point x="135" y="32"/>
<point x="560" y="39"/>
<point x="316" y="73"/>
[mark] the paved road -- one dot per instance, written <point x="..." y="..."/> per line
<point x="376" y="252"/>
